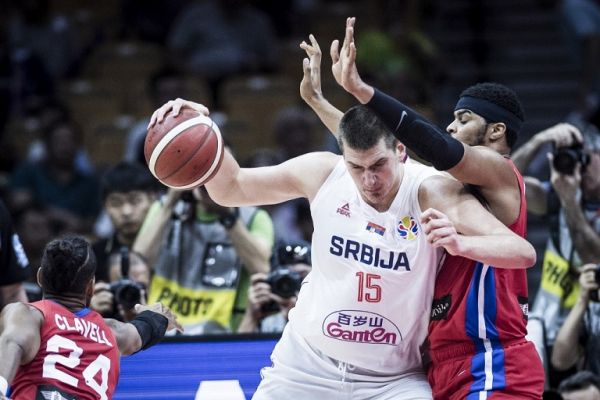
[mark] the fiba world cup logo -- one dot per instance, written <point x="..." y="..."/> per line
<point x="408" y="228"/>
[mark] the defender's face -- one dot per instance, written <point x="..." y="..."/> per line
<point x="468" y="128"/>
<point x="376" y="172"/>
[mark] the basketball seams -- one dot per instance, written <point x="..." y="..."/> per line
<point x="216" y="162"/>
<point x="172" y="134"/>
<point x="199" y="148"/>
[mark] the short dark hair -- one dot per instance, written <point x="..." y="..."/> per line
<point x="361" y="129"/>
<point x="502" y="96"/>
<point x="68" y="264"/>
<point x="578" y="381"/>
<point x="127" y="177"/>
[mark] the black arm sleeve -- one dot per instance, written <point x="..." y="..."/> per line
<point x="151" y="326"/>
<point x="427" y="140"/>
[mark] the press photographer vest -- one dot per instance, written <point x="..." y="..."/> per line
<point x="559" y="286"/>
<point x="198" y="272"/>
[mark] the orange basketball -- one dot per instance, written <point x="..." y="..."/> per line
<point x="184" y="152"/>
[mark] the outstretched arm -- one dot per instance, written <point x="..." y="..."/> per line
<point x="456" y="220"/>
<point x="233" y="186"/>
<point x="145" y="330"/>
<point x="19" y="338"/>
<point x="310" y="87"/>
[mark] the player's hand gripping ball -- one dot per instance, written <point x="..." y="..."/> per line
<point x="184" y="152"/>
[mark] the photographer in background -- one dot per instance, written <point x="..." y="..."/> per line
<point x="578" y="340"/>
<point x="130" y="278"/>
<point x="202" y="256"/>
<point x="272" y="296"/>
<point x="570" y="202"/>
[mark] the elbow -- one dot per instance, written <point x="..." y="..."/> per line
<point x="529" y="256"/>
<point x="558" y="360"/>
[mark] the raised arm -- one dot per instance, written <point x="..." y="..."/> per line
<point x="233" y="186"/>
<point x="310" y="87"/>
<point x="19" y="338"/>
<point x="476" y="165"/>
<point x="567" y="349"/>
<point x="456" y="220"/>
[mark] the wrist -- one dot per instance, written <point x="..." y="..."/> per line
<point x="3" y="385"/>
<point x="363" y="93"/>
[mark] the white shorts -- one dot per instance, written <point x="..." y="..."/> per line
<point x="301" y="372"/>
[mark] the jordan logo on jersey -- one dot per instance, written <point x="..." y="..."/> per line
<point x="408" y="228"/>
<point x="344" y="210"/>
<point x="361" y="327"/>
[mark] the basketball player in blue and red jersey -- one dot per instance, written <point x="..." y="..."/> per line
<point x="58" y="348"/>
<point x="379" y="228"/>
<point x="477" y="331"/>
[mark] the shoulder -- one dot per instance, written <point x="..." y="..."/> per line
<point x="436" y="190"/>
<point x="22" y="314"/>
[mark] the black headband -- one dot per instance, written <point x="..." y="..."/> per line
<point x="490" y="111"/>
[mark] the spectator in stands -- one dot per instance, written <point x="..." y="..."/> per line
<point x="222" y="38"/>
<point x="163" y="86"/>
<point x="578" y="340"/>
<point x="128" y="190"/>
<point x="14" y="265"/>
<point x="583" y="385"/>
<point x="581" y="21"/>
<point x="272" y="296"/>
<point x="202" y="255"/>
<point x="70" y="196"/>
<point x="570" y="202"/>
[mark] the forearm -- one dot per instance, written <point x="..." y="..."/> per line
<point x="248" y="324"/>
<point x="428" y="141"/>
<point x="253" y="251"/>
<point x="523" y="156"/>
<point x="147" y="243"/>
<point x="499" y="251"/>
<point x="11" y="354"/>
<point x="327" y="113"/>
<point x="585" y="240"/>
<point x="564" y="355"/>
<point x="12" y="293"/>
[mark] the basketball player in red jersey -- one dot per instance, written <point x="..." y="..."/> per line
<point x="58" y="348"/>
<point x="477" y="331"/>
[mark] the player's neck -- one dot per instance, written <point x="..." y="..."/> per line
<point x="71" y="303"/>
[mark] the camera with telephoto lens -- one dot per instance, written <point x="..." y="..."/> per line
<point x="126" y="292"/>
<point x="566" y="158"/>
<point x="594" y="293"/>
<point x="284" y="281"/>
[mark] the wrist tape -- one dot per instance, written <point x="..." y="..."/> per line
<point x="151" y="326"/>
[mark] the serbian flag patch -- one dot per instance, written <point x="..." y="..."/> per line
<point x="378" y="229"/>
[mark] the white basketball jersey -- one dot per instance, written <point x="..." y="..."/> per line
<point x="368" y="297"/>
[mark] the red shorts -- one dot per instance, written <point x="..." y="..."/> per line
<point x="512" y="372"/>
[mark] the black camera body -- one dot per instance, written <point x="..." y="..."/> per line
<point x="566" y="158"/>
<point x="284" y="282"/>
<point x="127" y="293"/>
<point x="594" y="293"/>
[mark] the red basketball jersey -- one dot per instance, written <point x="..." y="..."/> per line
<point x="78" y="358"/>
<point x="478" y="307"/>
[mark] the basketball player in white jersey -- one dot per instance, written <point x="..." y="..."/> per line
<point x="380" y="228"/>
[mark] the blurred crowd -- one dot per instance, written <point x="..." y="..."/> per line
<point x="79" y="84"/>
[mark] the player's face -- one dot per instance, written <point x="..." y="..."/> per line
<point x="376" y="172"/>
<point x="468" y="127"/>
<point x="127" y="210"/>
